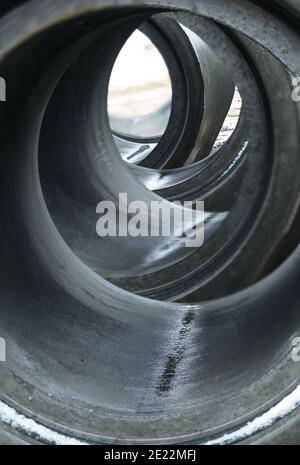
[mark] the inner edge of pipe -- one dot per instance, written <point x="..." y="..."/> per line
<point x="10" y="417"/>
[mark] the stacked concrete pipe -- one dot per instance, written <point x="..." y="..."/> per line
<point x="138" y="340"/>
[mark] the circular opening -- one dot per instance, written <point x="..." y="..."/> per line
<point x="98" y="362"/>
<point x="140" y="91"/>
<point x="145" y="99"/>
